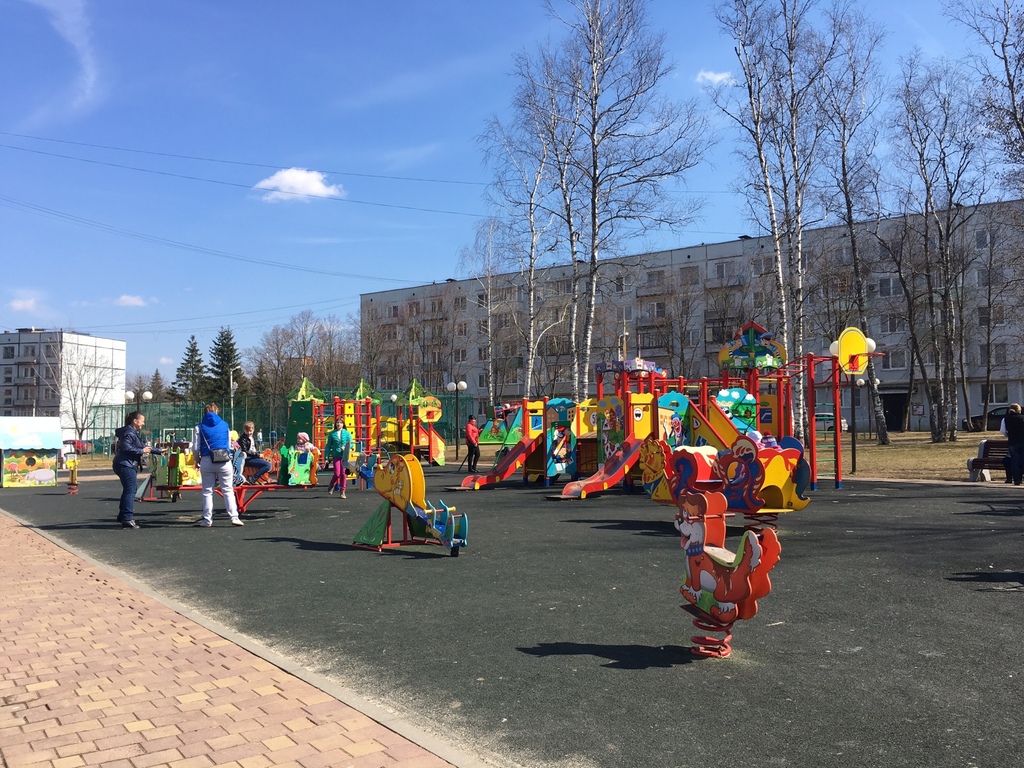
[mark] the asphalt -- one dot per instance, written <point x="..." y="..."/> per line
<point x="891" y="636"/>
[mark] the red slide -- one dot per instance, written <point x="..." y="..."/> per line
<point x="614" y="469"/>
<point x="509" y="463"/>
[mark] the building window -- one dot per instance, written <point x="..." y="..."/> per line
<point x="895" y="359"/>
<point x="30" y="350"/>
<point x="623" y="315"/>
<point x="460" y="329"/>
<point x="460" y="302"/>
<point x="483" y="326"/>
<point x="460" y="355"/>
<point x="993" y="314"/>
<point x="394" y="311"/>
<point x="892" y="323"/>
<point x="998" y="354"/>
<point x="436" y="305"/>
<point x="689" y="275"/>
<point x="999" y="392"/>
<point x="482" y="381"/>
<point x="655" y="310"/>
<point x="619" y="284"/>
<point x="8" y="353"/>
<point x="982" y="239"/>
<point x="563" y="287"/>
<point x="482" y="353"/>
<point x="656" y="277"/>
<point x="414" y="308"/>
<point x="888" y="286"/>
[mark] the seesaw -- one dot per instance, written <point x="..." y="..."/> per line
<point x="401" y="483"/>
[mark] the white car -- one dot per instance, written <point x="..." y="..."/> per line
<point x="825" y="421"/>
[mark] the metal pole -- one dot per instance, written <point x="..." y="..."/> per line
<point x="853" y="429"/>
<point x="456" y="422"/>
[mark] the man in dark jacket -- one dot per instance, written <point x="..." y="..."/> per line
<point x="131" y="449"/>
<point x="1013" y="428"/>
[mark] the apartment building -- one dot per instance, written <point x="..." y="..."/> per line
<point x="60" y="373"/>
<point x="678" y="307"/>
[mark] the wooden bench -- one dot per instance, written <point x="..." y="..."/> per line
<point x="991" y="455"/>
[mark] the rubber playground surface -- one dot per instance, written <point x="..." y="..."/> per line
<point x="892" y="635"/>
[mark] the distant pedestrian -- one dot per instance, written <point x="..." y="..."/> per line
<point x="1013" y="428"/>
<point x="259" y="440"/>
<point x="472" y="444"/>
<point x="210" y="441"/>
<point x="130" y="449"/>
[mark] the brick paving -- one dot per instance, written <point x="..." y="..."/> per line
<point x="94" y="672"/>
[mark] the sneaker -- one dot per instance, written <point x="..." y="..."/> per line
<point x="330" y="490"/>
<point x="204" y="524"/>
<point x="236" y="521"/>
<point x="343" y="494"/>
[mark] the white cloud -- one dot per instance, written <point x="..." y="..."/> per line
<point x="22" y="305"/>
<point x="298" y="184"/>
<point x="69" y="19"/>
<point x="166" y="361"/>
<point x="130" y="301"/>
<point x="704" y="77"/>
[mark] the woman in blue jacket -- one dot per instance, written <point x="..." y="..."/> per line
<point x="212" y="434"/>
<point x="131" y="449"/>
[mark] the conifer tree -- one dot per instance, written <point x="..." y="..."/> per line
<point x="157" y="387"/>
<point x="190" y="381"/>
<point x="224" y="358"/>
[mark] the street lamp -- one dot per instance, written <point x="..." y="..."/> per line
<point x="231" y="388"/>
<point x="458" y="389"/>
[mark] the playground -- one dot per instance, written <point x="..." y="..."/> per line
<point x="556" y="639"/>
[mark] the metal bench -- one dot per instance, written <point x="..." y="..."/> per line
<point x="992" y="454"/>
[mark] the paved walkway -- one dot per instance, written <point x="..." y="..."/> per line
<point x="94" y="672"/>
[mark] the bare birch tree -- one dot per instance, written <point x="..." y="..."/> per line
<point x="943" y="163"/>
<point x="628" y="143"/>
<point x="850" y="96"/>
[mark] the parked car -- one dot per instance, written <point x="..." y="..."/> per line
<point x="77" y="446"/>
<point x="825" y="421"/>
<point x="991" y="421"/>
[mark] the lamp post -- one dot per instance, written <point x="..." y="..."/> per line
<point x="231" y="388"/>
<point x="458" y="389"/>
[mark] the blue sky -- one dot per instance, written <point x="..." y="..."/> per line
<point x="145" y="148"/>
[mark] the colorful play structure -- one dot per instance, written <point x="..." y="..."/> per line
<point x="400" y="482"/>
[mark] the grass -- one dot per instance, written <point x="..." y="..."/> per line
<point x="912" y="455"/>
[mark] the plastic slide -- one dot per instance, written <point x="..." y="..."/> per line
<point x="509" y="463"/>
<point x="614" y="470"/>
<point x="715" y="429"/>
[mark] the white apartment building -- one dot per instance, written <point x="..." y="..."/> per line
<point x="678" y="307"/>
<point x="60" y="373"/>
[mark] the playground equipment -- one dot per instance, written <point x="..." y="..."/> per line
<point x="71" y="462"/>
<point x="546" y="450"/>
<point x="720" y="586"/>
<point x="412" y="429"/>
<point x="503" y="426"/>
<point x="623" y="420"/>
<point x="400" y="482"/>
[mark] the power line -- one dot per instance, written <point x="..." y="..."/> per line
<point x="239" y="162"/>
<point x="237" y="184"/>
<point x="10" y="202"/>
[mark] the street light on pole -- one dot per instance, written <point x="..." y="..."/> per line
<point x="458" y="389"/>
<point x="231" y="388"/>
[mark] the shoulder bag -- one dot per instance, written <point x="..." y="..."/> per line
<point x="217" y="455"/>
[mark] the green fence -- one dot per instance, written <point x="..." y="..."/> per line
<point x="175" y="421"/>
